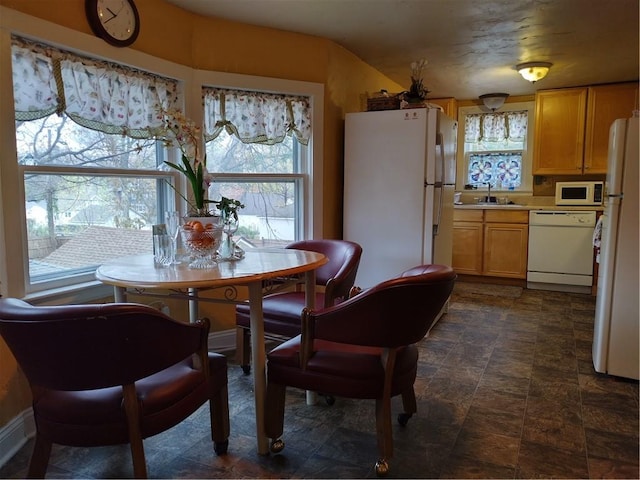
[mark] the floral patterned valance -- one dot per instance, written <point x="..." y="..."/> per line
<point x="256" y="117"/>
<point x="496" y="127"/>
<point x="99" y="95"/>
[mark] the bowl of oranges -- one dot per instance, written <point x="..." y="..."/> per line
<point x="201" y="240"/>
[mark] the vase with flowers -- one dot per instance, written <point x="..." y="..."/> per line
<point x="417" y="93"/>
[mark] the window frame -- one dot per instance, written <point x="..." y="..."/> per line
<point x="526" y="187"/>
<point x="13" y="242"/>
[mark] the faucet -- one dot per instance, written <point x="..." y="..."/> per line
<point x="488" y="192"/>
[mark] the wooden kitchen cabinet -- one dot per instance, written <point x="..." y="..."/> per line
<point x="467" y="241"/>
<point x="491" y="242"/>
<point x="572" y="127"/>
<point x="559" y="131"/>
<point x="506" y="239"/>
<point x="605" y="104"/>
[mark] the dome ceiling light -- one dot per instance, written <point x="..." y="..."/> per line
<point x="493" y="101"/>
<point x="533" y="71"/>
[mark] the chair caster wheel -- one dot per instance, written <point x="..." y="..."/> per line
<point x="221" y="447"/>
<point x="382" y="468"/>
<point x="246" y="369"/>
<point x="403" y="418"/>
<point x="276" y="446"/>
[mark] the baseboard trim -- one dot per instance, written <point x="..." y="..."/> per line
<point x="222" y="341"/>
<point x="15" y="434"/>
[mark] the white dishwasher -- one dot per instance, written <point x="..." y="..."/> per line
<point x="561" y="250"/>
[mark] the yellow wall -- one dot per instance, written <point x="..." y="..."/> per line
<point x="173" y="34"/>
<point x="14" y="390"/>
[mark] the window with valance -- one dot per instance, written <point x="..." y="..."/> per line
<point x="493" y="146"/>
<point x="256" y="150"/>
<point x="91" y="167"/>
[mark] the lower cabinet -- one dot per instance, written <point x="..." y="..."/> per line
<point x="491" y="242"/>
<point x="468" y="246"/>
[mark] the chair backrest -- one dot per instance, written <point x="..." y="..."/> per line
<point x="84" y="347"/>
<point x="393" y="313"/>
<point x="339" y="273"/>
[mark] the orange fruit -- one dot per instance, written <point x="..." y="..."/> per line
<point x="197" y="226"/>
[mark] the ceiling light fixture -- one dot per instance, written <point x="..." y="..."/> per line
<point x="493" y="101"/>
<point x="533" y="71"/>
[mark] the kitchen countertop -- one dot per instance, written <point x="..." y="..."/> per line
<point x="474" y="206"/>
<point x="520" y="202"/>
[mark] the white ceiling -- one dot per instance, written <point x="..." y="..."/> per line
<point x="472" y="46"/>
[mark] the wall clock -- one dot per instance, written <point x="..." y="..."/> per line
<point x="115" y="21"/>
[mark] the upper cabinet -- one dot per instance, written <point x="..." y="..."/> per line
<point x="572" y="127"/>
<point x="559" y="131"/>
<point x="605" y="104"/>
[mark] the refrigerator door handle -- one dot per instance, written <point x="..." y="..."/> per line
<point x="436" y="224"/>
<point x="439" y="184"/>
<point x="440" y="144"/>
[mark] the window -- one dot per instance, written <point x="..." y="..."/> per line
<point x="260" y="163"/>
<point x="92" y="191"/>
<point x="89" y="196"/>
<point x="495" y="149"/>
<point x="272" y="192"/>
<point x="500" y="169"/>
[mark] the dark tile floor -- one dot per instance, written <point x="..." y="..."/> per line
<point x="505" y="387"/>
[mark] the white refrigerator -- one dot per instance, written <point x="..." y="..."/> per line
<point x="399" y="181"/>
<point x="615" y="338"/>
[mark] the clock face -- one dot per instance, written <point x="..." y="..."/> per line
<point x="115" y="21"/>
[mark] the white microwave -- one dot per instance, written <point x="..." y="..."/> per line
<point x="579" y="193"/>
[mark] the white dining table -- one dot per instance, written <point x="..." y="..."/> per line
<point x="261" y="271"/>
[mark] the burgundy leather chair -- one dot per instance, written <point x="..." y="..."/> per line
<point x="113" y="374"/>
<point x="361" y="348"/>
<point x="281" y="311"/>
